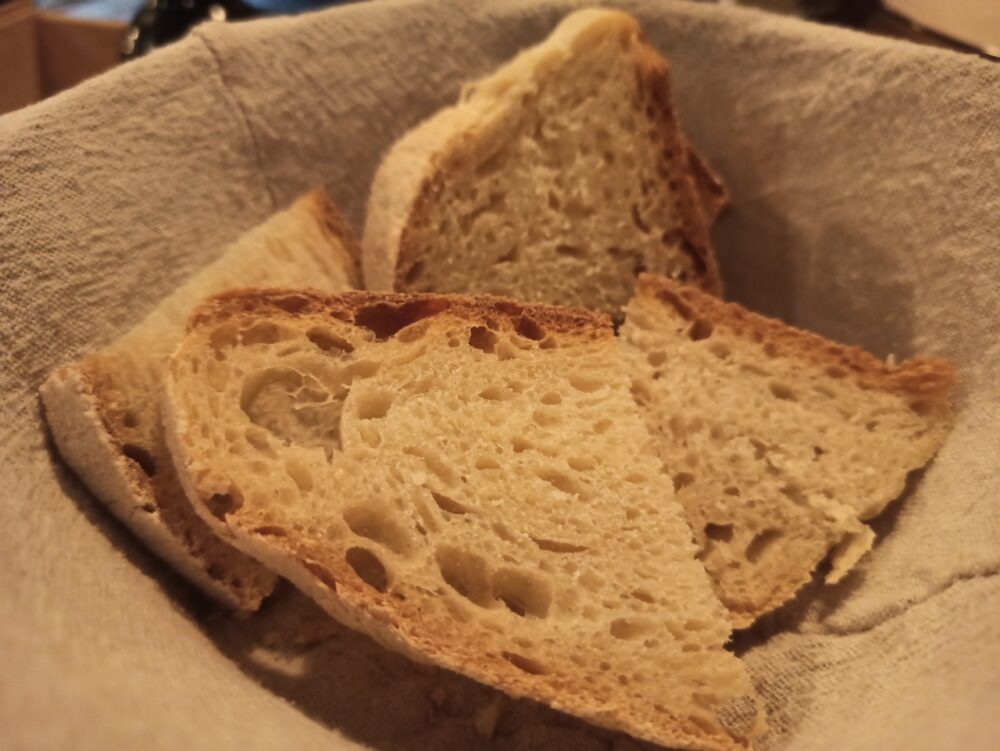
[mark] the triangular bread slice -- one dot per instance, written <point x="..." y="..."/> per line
<point x="103" y="410"/>
<point x="558" y="179"/>
<point x="781" y="443"/>
<point x="469" y="481"/>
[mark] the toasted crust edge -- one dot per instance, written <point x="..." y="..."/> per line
<point x="356" y="606"/>
<point x="339" y="230"/>
<point x="86" y="444"/>
<point x="927" y="378"/>
<point x="345" y="306"/>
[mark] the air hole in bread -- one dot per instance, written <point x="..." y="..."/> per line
<point x="270" y="530"/>
<point x="294" y="407"/>
<point x="552" y="397"/>
<point x="782" y="391"/>
<point x="630" y="628"/>
<point x="921" y="407"/>
<point x="570" y="251"/>
<point x="257" y="437"/>
<point x="682" y="480"/>
<point x="674" y="301"/>
<point x="581" y="463"/>
<point x="732" y="490"/>
<point x="586" y="384"/>
<point x="221" y="504"/>
<point x="545" y="417"/>
<point x="643" y="596"/>
<point x="719" y="350"/>
<point x="524" y="593"/>
<point x="385" y="320"/>
<point x="526" y="664"/>
<point x="656" y="359"/>
<point x="374" y="521"/>
<point x="363" y="368"/>
<point x="700" y="330"/>
<point x="414" y="273"/>
<point x="483" y="339"/>
<point x="559" y="480"/>
<point x="321" y="573"/>
<point x="770" y="349"/>
<point x="373" y="405"/>
<point x="141" y="457"/>
<point x="368" y="567"/>
<point x="641" y="393"/>
<point x="577" y="210"/>
<point x="130" y="419"/>
<point x="264" y="332"/>
<point x="449" y="505"/>
<point x="512" y="255"/>
<point x="602" y="425"/>
<point x="434" y="463"/>
<point x="495" y="394"/>
<point x="487" y="462"/>
<point x="466" y="573"/>
<point x="291" y="303"/>
<point x="794" y="494"/>
<point x="507" y="350"/>
<point x="223" y="338"/>
<point x="556" y="546"/>
<point x="529" y="328"/>
<point x="300" y="474"/>
<point x="719" y="532"/>
<point x="638" y="221"/>
<point x="835" y="371"/>
<point x="761" y="543"/>
<point x="520" y="444"/>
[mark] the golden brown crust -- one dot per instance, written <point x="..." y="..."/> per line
<point x="712" y="192"/>
<point x="140" y="450"/>
<point x="339" y="229"/>
<point x="929" y="379"/>
<point x="653" y="74"/>
<point x="393" y="310"/>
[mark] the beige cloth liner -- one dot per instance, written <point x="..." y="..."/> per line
<point x="865" y="176"/>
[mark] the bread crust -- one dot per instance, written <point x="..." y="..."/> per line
<point x="413" y="174"/>
<point x="342" y="241"/>
<point x="926" y="378"/>
<point x="576" y="322"/>
<point x="89" y="443"/>
<point x="403" y="625"/>
<point x="88" y="407"/>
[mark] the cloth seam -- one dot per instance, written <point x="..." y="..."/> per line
<point x="241" y="111"/>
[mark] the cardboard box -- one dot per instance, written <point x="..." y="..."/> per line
<point x="42" y="53"/>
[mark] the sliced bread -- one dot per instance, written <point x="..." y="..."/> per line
<point x="780" y="443"/>
<point x="557" y="179"/>
<point x="103" y="410"/>
<point x="469" y="481"/>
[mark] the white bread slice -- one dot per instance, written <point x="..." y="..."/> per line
<point x="557" y="179"/>
<point x="103" y="410"/>
<point x="468" y="481"/>
<point x="781" y="443"/>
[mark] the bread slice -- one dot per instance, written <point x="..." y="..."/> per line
<point x="781" y="443"/>
<point x="468" y="481"/>
<point x="557" y="179"/>
<point x="103" y="410"/>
